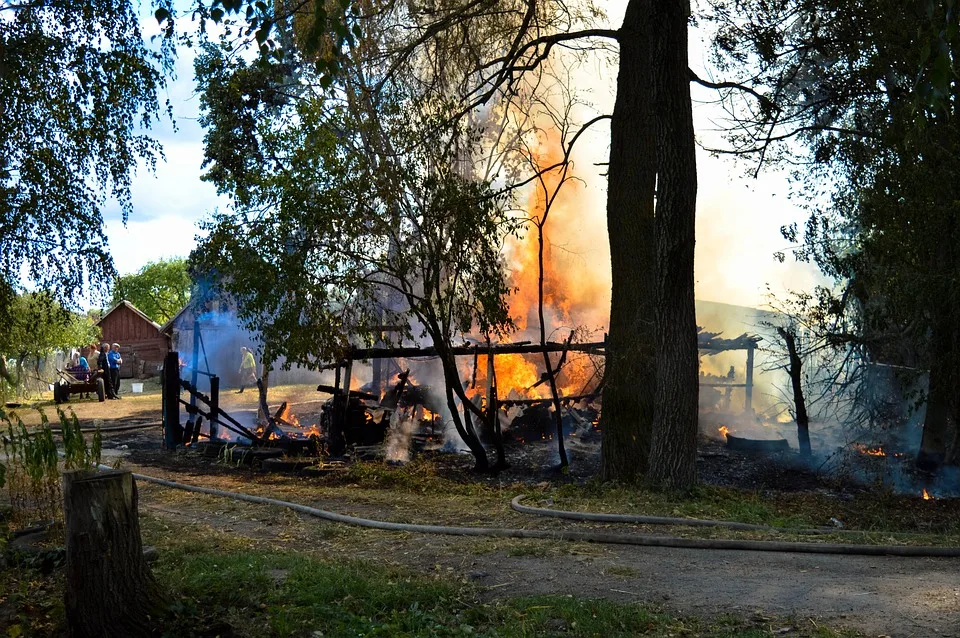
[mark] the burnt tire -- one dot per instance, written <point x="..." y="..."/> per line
<point x="101" y="393"/>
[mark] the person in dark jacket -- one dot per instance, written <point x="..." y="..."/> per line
<point x="103" y="367"/>
<point x="114" y="359"/>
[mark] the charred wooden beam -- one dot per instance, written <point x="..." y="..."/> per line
<point x="362" y="354"/>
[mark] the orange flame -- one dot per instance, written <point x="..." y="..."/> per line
<point x="724" y="430"/>
<point x="926" y="495"/>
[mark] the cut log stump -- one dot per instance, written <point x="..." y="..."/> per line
<point x="110" y="591"/>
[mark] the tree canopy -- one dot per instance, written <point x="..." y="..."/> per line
<point x="159" y="289"/>
<point x="79" y="85"/>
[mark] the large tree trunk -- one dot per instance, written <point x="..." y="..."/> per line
<point x="937" y="420"/>
<point x="673" y="453"/>
<point x="629" y="374"/>
<point x="110" y="590"/>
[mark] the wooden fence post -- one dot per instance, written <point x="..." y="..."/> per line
<point x="172" y="430"/>
<point x="110" y="591"/>
<point x="214" y="406"/>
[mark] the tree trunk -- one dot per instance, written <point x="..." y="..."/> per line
<point x="263" y="389"/>
<point x="936" y="422"/>
<point x="454" y="391"/>
<point x="673" y="453"/>
<point x="109" y="588"/>
<point x="551" y="376"/>
<point x="795" y="372"/>
<point x="629" y="373"/>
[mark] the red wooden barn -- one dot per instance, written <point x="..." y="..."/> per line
<point x="142" y="344"/>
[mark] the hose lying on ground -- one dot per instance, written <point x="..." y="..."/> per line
<point x="117" y="428"/>
<point x="572" y="535"/>
<point x="639" y="519"/>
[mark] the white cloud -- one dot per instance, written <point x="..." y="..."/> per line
<point x="140" y="242"/>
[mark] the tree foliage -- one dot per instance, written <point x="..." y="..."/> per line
<point x="78" y="86"/>
<point x="159" y="289"/>
<point x="39" y="326"/>
<point x="871" y="93"/>
<point x="336" y="233"/>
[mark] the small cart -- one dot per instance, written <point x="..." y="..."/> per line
<point x="73" y="381"/>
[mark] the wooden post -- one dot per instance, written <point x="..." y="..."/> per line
<point x="337" y="443"/>
<point x="172" y="430"/>
<point x="214" y="405"/>
<point x="493" y="409"/>
<point x="195" y="372"/>
<point x="110" y="591"/>
<point x="347" y="377"/>
<point x="748" y="388"/>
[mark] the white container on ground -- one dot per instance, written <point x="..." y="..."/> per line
<point x="136" y="388"/>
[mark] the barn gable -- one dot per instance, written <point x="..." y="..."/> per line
<point x="139" y="337"/>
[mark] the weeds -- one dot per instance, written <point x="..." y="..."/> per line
<point x="32" y="463"/>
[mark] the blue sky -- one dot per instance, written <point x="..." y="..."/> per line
<point x="738" y="218"/>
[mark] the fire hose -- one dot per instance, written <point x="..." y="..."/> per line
<point x="574" y="535"/>
<point x="638" y="519"/>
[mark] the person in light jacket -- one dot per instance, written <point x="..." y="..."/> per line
<point x="248" y="369"/>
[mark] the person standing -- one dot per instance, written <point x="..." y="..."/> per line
<point x="115" y="360"/>
<point x="103" y="369"/>
<point x="248" y="369"/>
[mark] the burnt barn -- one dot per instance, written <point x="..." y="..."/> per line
<point x="142" y="343"/>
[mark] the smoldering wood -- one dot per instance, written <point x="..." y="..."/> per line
<point x="329" y="389"/>
<point x="757" y="445"/>
<point x="391" y="398"/>
<point x="270" y="427"/>
<point x="509" y="403"/>
<point x="110" y="591"/>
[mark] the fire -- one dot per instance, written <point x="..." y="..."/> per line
<point x="926" y="495"/>
<point x="724" y="430"/>
<point x="575" y="290"/>
<point x="514" y="372"/>
<point x="871" y="451"/>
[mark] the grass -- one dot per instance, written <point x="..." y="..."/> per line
<point x="261" y="590"/>
<point x="874" y="512"/>
<point x="221" y="584"/>
<point x="419" y="493"/>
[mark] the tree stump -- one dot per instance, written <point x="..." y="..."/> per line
<point x="110" y="591"/>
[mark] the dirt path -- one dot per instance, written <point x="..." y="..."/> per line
<point x="891" y="596"/>
<point x="878" y="595"/>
